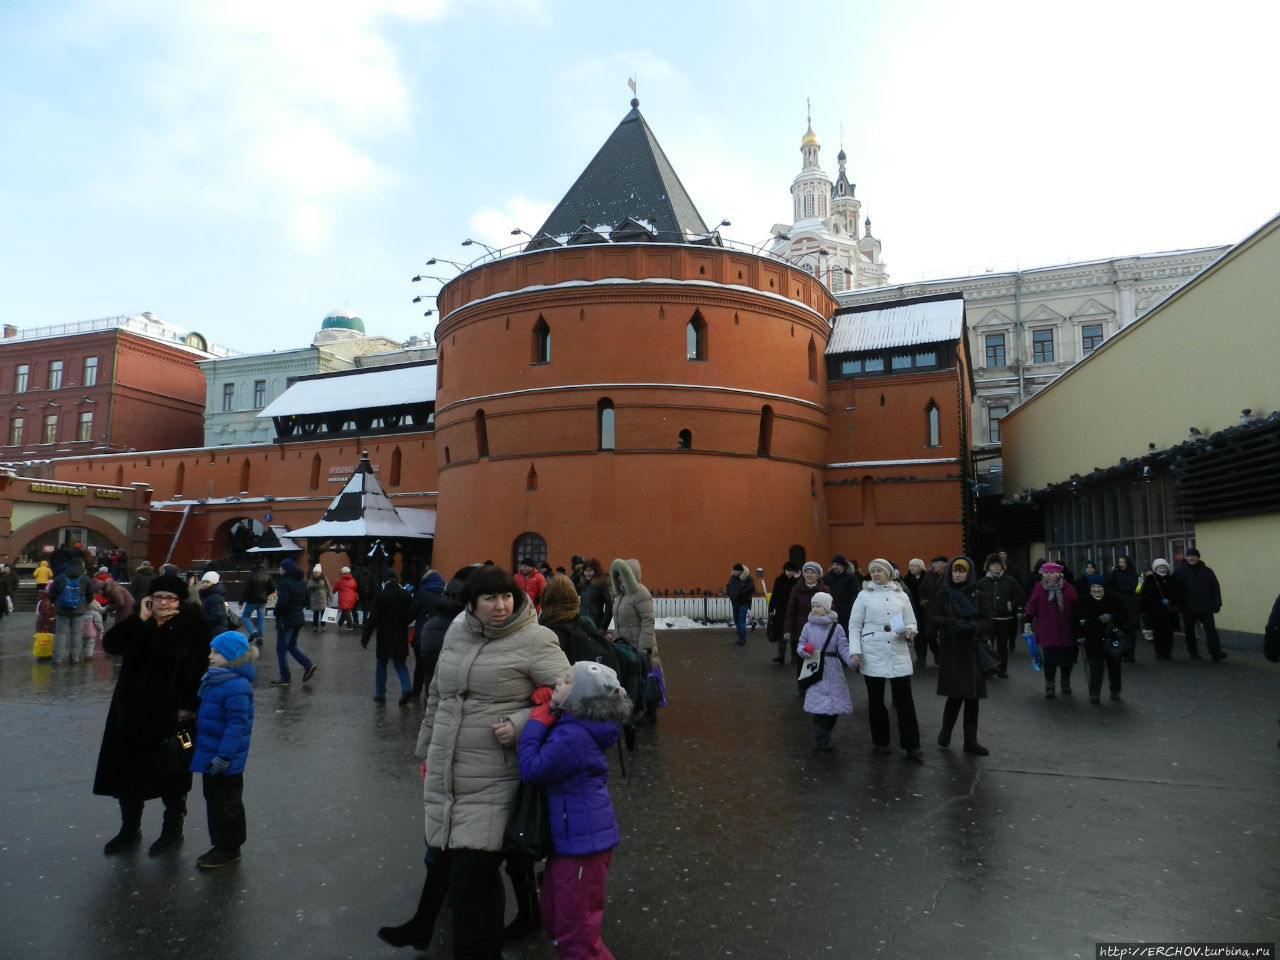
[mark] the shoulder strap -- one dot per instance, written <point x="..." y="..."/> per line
<point x="830" y="633"/>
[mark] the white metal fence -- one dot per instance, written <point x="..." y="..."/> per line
<point x="706" y="609"/>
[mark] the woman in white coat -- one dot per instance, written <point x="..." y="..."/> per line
<point x="883" y="648"/>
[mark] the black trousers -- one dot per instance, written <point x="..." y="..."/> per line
<point x="478" y="899"/>
<point x="175" y="810"/>
<point x="903" y="704"/>
<point x="1095" y="674"/>
<point x="224" y="807"/>
<point x="823" y="724"/>
<point x="1211" y="640"/>
<point x="1006" y="632"/>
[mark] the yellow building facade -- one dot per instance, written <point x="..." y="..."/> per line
<point x="1186" y="399"/>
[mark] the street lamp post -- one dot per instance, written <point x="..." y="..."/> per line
<point x="468" y="242"/>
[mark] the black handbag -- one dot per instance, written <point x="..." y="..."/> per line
<point x="988" y="662"/>
<point x="175" y="751"/>
<point x="1115" y="644"/>
<point x="528" y="831"/>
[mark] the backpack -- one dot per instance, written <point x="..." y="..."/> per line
<point x="632" y="671"/>
<point x="584" y="642"/>
<point x="70" y="596"/>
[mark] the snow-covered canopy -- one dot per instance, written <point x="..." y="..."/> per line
<point x="359" y="390"/>
<point x="900" y="325"/>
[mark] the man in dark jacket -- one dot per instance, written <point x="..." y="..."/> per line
<point x="843" y="584"/>
<point x="426" y="598"/>
<point x="291" y="607"/>
<point x="934" y="580"/>
<point x="1201" y="599"/>
<point x="595" y="595"/>
<point x="390" y="620"/>
<point x="65" y="588"/>
<point x="213" y="603"/>
<point x="740" y="590"/>
<point x="366" y="590"/>
<point x="257" y="591"/>
<point x="1005" y="597"/>
<point x="778" y="605"/>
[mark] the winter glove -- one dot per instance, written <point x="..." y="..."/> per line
<point x="1105" y="618"/>
<point x="808" y="648"/>
<point x="541" y="711"/>
<point x="786" y="637"/>
<point x="218" y="765"/>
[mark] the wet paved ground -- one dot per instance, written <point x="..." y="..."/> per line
<point x="1152" y="819"/>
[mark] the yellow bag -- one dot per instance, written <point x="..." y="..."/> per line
<point x="43" y="645"/>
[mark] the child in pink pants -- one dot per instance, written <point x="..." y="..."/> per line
<point x="563" y="748"/>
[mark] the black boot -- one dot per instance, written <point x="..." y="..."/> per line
<point x="971" y="744"/>
<point x="528" y="914"/>
<point x="950" y="710"/>
<point x="170" y="834"/>
<point x="417" y="932"/>
<point x="130" y="834"/>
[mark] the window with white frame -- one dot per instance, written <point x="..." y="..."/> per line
<point x="85" y="431"/>
<point x="55" y="375"/>
<point x="995" y="345"/>
<point x="228" y="397"/>
<point x="15" y="432"/>
<point x="22" y="379"/>
<point x="259" y="394"/>
<point x="90" y="371"/>
<point x="995" y="413"/>
<point x="1090" y="338"/>
<point x="50" y="428"/>
<point x="1042" y="346"/>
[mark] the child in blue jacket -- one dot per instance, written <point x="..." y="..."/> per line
<point x="223" y="726"/>
<point x="563" y="749"/>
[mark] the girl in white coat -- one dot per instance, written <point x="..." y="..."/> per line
<point x="882" y="628"/>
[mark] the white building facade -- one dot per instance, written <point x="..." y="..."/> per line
<point x="1028" y="326"/>
<point x="828" y="236"/>
<point x="238" y="388"/>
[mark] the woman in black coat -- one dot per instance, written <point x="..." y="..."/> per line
<point x="389" y="618"/>
<point x="1161" y="602"/>
<point x="164" y="650"/>
<point x="1098" y="612"/>
<point x="961" y="616"/>
<point x="1122" y="585"/>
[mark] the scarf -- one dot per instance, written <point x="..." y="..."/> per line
<point x="1054" y="590"/>
<point x="961" y="606"/>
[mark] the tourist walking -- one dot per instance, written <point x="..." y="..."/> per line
<point x="1201" y="599"/>
<point x="740" y="590"/>
<point x="778" y="600"/>
<point x="319" y="593"/>
<point x="1161" y="599"/>
<point x="389" y="620"/>
<point x="828" y="698"/>
<point x="1050" y="614"/>
<point x="1005" y="599"/>
<point x="882" y="630"/>
<point x="291" y="604"/>
<point x="1099" y="614"/>
<point x="962" y="618"/>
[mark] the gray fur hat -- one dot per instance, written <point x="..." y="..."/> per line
<point x="596" y="693"/>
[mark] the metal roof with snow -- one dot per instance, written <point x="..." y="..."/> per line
<point x="363" y="510"/>
<point x="357" y="390"/>
<point x="938" y="320"/>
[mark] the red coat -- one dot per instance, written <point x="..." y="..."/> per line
<point x="345" y="588"/>
<point x="532" y="585"/>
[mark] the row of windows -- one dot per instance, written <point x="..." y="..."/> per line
<point x="606" y="430"/>
<point x="49" y="433"/>
<point x="896" y="361"/>
<point x="22" y="379"/>
<point x="229" y="396"/>
<point x="1042" y="344"/>
<point x="695" y="340"/>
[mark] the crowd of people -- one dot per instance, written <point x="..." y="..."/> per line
<point x="888" y="625"/>
<point x="525" y="682"/>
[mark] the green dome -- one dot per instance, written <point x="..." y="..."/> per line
<point x="342" y="320"/>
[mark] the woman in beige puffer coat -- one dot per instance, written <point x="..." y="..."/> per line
<point x="493" y="658"/>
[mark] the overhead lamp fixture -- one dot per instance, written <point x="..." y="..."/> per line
<point x="468" y="242"/>
<point x="453" y="263"/>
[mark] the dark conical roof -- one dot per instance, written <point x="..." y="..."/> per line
<point x="630" y="176"/>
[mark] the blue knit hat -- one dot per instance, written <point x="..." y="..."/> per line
<point x="232" y="644"/>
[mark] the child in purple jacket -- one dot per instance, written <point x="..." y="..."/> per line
<point x="563" y="749"/>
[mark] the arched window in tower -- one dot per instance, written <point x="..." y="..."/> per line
<point x="531" y="478"/>
<point x="604" y="419"/>
<point x="244" y="475"/>
<point x="813" y="360"/>
<point x="764" y="443"/>
<point x="393" y="478"/>
<point x="179" y="481"/>
<point x="695" y="337"/>
<point x="822" y="205"/>
<point x="315" y="472"/>
<point x="541" y="342"/>
<point x="685" y="440"/>
<point x="482" y="435"/>
<point x="932" y="425"/>
<point x="808" y="204"/>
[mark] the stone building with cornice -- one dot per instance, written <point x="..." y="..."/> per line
<point x="1027" y="327"/>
